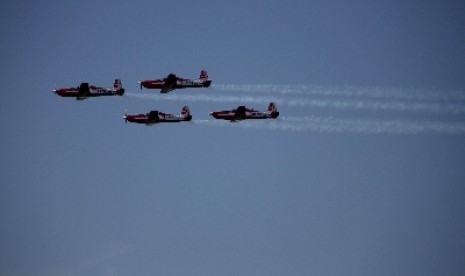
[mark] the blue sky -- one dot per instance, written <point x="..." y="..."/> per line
<point x="362" y="173"/>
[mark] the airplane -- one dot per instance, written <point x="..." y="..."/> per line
<point x="172" y="82"/>
<point x="155" y="117"/>
<point x="244" y="113"/>
<point x="84" y="91"/>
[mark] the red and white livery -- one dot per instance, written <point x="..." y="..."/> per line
<point x="244" y="113"/>
<point x="84" y="91"/>
<point x="155" y="117"/>
<point x="172" y="82"/>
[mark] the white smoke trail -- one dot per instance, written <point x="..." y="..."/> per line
<point x="433" y="102"/>
<point x="333" y="125"/>
<point x="205" y="98"/>
<point x="346" y="91"/>
<point x="360" y="104"/>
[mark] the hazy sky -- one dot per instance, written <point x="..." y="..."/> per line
<point x="362" y="174"/>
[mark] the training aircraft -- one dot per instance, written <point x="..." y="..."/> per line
<point x="172" y="82"/>
<point x="243" y="113"/>
<point x="155" y="117"/>
<point x="84" y="90"/>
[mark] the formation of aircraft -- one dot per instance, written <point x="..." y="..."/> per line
<point x="84" y="91"/>
<point x="243" y="113"/>
<point x="155" y="117"/>
<point x="172" y="82"/>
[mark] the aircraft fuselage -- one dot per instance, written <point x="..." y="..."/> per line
<point x="232" y="115"/>
<point x="180" y="83"/>
<point x="155" y="117"/>
<point x="74" y="92"/>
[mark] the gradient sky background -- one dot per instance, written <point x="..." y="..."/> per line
<point x="363" y="173"/>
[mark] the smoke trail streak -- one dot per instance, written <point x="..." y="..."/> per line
<point x="361" y="104"/>
<point x="346" y="91"/>
<point x="206" y="98"/>
<point x="327" y="97"/>
<point x="348" y="98"/>
<point x="342" y="125"/>
<point x="378" y="105"/>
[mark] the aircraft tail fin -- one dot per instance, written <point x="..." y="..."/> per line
<point x="272" y="107"/>
<point x="203" y="75"/>
<point x="273" y="110"/>
<point x="118" y="87"/>
<point x="117" y="84"/>
<point x="185" y="114"/>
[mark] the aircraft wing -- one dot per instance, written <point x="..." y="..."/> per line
<point x="83" y="90"/>
<point x="239" y="114"/>
<point x="169" y="84"/>
<point x="167" y="89"/>
<point x="153" y="117"/>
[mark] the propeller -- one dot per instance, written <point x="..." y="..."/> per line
<point x="125" y="117"/>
